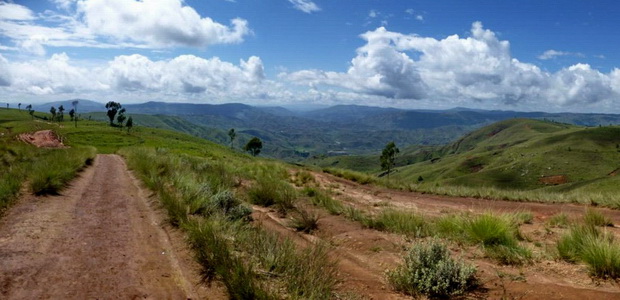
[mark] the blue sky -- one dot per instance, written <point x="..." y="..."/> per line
<point x="522" y="55"/>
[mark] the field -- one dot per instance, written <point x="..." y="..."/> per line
<point x="261" y="228"/>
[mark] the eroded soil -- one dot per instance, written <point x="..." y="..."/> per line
<point x="42" y="139"/>
<point x="100" y="239"/>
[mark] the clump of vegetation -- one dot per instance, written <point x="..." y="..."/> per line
<point x="559" y="220"/>
<point x="358" y="177"/>
<point x="303" y="178"/>
<point x="596" y="218"/>
<point x="322" y="199"/>
<point x="51" y="174"/>
<point x="269" y="190"/>
<point x="430" y="270"/>
<point x="305" y="220"/>
<point x="588" y="244"/>
<point x="401" y="222"/>
<point x="498" y="235"/>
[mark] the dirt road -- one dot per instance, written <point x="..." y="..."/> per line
<point x="100" y="239"/>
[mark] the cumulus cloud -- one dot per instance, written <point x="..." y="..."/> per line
<point x="157" y="23"/>
<point x="183" y="76"/>
<point x="306" y="6"/>
<point x="478" y="68"/>
<point x="117" y="24"/>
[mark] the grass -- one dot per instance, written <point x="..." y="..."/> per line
<point x="597" y="249"/>
<point x="305" y="220"/>
<point x="559" y="220"/>
<point x="596" y="218"/>
<point x="430" y="270"/>
<point x="407" y="223"/>
<point x="228" y="247"/>
<point x="323" y="199"/>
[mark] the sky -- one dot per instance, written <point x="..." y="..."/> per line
<point x="427" y="54"/>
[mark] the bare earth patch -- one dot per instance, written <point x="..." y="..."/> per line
<point x="42" y="139"/>
<point x="100" y="239"/>
<point x="554" y="179"/>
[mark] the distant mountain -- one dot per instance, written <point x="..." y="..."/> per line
<point x="84" y="106"/>
<point x="345" y="129"/>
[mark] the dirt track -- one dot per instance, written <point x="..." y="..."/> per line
<point x="99" y="240"/>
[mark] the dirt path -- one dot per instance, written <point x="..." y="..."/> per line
<point x="100" y="239"/>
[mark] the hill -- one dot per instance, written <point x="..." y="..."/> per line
<point x="523" y="154"/>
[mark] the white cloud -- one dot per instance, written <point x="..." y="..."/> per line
<point x="551" y="54"/>
<point x="306" y="6"/>
<point x="16" y="12"/>
<point x="475" y="69"/>
<point x="117" y="24"/>
<point x="417" y="16"/>
<point x="157" y="23"/>
<point x="135" y="76"/>
<point x="372" y="14"/>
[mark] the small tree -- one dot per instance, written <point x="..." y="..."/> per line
<point x="129" y="124"/>
<point x="121" y="117"/>
<point x="113" y="108"/>
<point x="53" y="112"/>
<point x="75" y="104"/>
<point x="61" y="115"/>
<point x="388" y="157"/>
<point x="72" y="114"/>
<point x="232" y="134"/>
<point x="254" y="146"/>
<point x="19" y="106"/>
<point x="30" y="111"/>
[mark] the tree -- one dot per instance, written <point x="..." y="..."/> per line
<point x="129" y="124"/>
<point x="19" y="106"/>
<point x="121" y="117"/>
<point x="75" y="104"/>
<point x="113" y="108"/>
<point x="61" y="115"/>
<point x="30" y="111"/>
<point x="53" y="112"/>
<point x="232" y="134"/>
<point x="254" y="146"/>
<point x="388" y="157"/>
<point x="72" y="114"/>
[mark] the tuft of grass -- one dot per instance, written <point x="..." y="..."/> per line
<point x="430" y="270"/>
<point x="407" y="223"/>
<point x="598" y="250"/>
<point x="322" y="199"/>
<point x="305" y="220"/>
<point x="269" y="190"/>
<point x="303" y="177"/>
<point x="595" y="218"/>
<point x="358" y="177"/>
<point x="523" y="217"/>
<point x="498" y="235"/>
<point x="559" y="220"/>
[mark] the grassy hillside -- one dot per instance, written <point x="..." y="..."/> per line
<point x="526" y="155"/>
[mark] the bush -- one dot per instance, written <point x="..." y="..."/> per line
<point x="430" y="270"/>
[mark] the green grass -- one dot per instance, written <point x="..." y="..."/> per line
<point x="305" y="220"/>
<point x="559" y="220"/>
<point x="596" y="218"/>
<point x="597" y="249"/>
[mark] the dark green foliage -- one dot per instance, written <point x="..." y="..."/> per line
<point x="254" y="146"/>
<point x="430" y="270"/>
<point x="388" y="157"/>
<point x="129" y="124"/>
<point x="113" y="109"/>
<point x="232" y="135"/>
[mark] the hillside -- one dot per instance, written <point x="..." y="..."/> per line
<point x="523" y="154"/>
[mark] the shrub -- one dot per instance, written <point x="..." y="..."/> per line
<point x="430" y="270"/>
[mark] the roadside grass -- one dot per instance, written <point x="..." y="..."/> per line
<point x="560" y="220"/>
<point x="305" y="220"/>
<point x="51" y="172"/>
<point x="198" y="194"/>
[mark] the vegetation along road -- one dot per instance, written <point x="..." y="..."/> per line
<point x="100" y="238"/>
